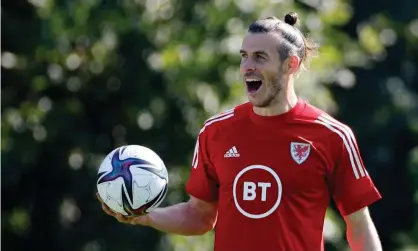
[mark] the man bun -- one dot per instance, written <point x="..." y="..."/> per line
<point x="291" y="18"/>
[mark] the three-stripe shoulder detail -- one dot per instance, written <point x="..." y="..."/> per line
<point x="219" y="117"/>
<point x="349" y="140"/>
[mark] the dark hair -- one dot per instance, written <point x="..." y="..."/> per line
<point x="294" y="42"/>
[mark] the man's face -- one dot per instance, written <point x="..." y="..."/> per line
<point x="261" y="68"/>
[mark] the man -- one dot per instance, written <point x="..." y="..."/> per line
<point x="263" y="172"/>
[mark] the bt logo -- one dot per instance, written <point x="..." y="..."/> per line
<point x="250" y="190"/>
<point x="257" y="191"/>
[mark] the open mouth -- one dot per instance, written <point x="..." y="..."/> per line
<point x="253" y="85"/>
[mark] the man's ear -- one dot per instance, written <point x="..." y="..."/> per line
<point x="291" y="64"/>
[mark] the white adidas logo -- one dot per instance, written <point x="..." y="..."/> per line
<point x="231" y="153"/>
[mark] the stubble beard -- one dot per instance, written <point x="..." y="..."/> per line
<point x="273" y="89"/>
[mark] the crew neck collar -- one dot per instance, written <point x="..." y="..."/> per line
<point x="294" y="111"/>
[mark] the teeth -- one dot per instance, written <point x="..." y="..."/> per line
<point x="251" y="80"/>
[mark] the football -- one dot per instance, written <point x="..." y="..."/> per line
<point x="132" y="180"/>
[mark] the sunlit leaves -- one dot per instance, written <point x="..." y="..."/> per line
<point x="369" y="39"/>
<point x="19" y="221"/>
<point x="336" y="12"/>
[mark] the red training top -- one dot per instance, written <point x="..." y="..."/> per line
<point x="274" y="176"/>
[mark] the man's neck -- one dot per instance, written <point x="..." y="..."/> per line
<point x="285" y="101"/>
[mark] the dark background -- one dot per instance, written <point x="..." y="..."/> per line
<point x="82" y="77"/>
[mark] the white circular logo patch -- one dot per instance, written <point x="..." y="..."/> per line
<point x="257" y="191"/>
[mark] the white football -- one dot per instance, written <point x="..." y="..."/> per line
<point x="132" y="180"/>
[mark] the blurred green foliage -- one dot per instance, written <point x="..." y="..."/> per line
<point x="80" y="78"/>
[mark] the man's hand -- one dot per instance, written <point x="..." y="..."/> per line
<point x="194" y="217"/>
<point x="133" y="220"/>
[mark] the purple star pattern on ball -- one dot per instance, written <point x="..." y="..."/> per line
<point x="120" y="168"/>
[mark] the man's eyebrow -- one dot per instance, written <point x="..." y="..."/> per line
<point x="261" y="53"/>
<point x="255" y="52"/>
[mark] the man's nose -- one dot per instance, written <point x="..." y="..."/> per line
<point x="248" y="65"/>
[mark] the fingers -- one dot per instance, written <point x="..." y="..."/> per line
<point x="104" y="206"/>
<point x="133" y="220"/>
<point x="99" y="198"/>
<point x="121" y="218"/>
<point x="108" y="210"/>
